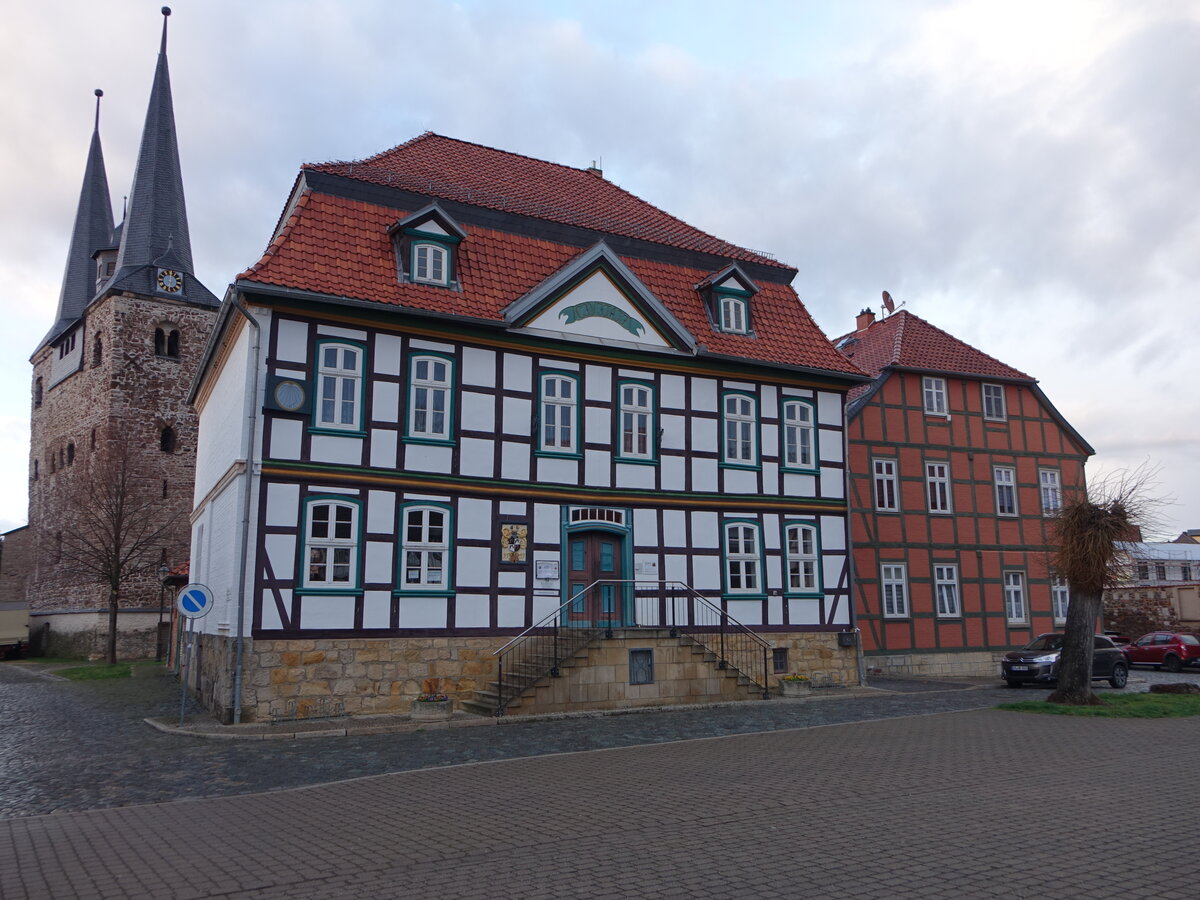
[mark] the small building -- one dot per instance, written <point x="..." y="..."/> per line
<point x="1160" y="586"/>
<point x="958" y="464"/>
<point x="469" y="399"/>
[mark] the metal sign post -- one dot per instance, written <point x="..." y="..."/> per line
<point x="193" y="602"/>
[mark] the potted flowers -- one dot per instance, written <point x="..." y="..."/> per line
<point x="431" y="705"/>
<point x="795" y="684"/>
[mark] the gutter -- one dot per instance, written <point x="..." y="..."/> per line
<point x="251" y="425"/>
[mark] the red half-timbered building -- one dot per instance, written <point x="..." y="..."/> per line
<point x="958" y="462"/>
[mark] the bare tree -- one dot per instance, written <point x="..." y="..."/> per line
<point x="1088" y="529"/>
<point x="117" y="526"/>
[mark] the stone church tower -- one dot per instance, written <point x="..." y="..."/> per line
<point x="110" y="382"/>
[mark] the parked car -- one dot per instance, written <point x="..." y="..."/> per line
<point x="1168" y="649"/>
<point x="1037" y="661"/>
<point x="1117" y="638"/>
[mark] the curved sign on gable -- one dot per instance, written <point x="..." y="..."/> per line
<point x="572" y="314"/>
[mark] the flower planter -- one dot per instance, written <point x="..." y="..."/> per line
<point x="794" y="689"/>
<point x="431" y="710"/>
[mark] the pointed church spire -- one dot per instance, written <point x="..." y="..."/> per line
<point x="93" y="230"/>
<point x="155" y="232"/>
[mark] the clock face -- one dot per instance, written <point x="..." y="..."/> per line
<point x="169" y="281"/>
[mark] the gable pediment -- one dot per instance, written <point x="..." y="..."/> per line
<point x="596" y="297"/>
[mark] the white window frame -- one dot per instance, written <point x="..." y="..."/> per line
<point x="799" y="435"/>
<point x="1005" y="483"/>
<point x="430" y="263"/>
<point x="938" y="493"/>
<point x="336" y="549"/>
<point x="893" y="590"/>
<point x="636" y="417"/>
<point x="424" y="547"/>
<point x="803" y="558"/>
<point x="1060" y="599"/>
<point x="734" y="315"/>
<point x="743" y="558"/>
<point x="1015" y="608"/>
<point x="1050" y="487"/>
<point x="934" y="392"/>
<point x="346" y="383"/>
<point x="997" y="399"/>
<point x="739" y="429"/>
<point x="558" y="418"/>
<point x="885" y="480"/>
<point x="946" y="593"/>
<point x="423" y="394"/>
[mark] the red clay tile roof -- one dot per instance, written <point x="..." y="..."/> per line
<point x="907" y="341"/>
<point x="338" y="246"/>
<point x="496" y="179"/>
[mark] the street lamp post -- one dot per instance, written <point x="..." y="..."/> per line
<point x="163" y="572"/>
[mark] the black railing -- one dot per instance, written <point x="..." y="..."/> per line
<point x="540" y="651"/>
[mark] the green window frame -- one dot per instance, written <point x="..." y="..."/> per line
<point x="802" y="559"/>
<point x="331" y="550"/>
<point x="429" y="409"/>
<point x="739" y="430"/>
<point x="798" y="427"/>
<point x="637" y="422"/>
<point x="426" y="549"/>
<point x="742" y="559"/>
<point x="732" y="311"/>
<point x="340" y="380"/>
<point x="558" y="419"/>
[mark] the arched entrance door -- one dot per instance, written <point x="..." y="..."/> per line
<point x="594" y="556"/>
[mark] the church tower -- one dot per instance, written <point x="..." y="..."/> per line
<point x="112" y="450"/>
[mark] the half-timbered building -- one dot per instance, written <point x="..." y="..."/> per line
<point x="491" y="402"/>
<point x="958" y="463"/>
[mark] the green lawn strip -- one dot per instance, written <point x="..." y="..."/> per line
<point x="96" y="672"/>
<point x="1118" y="706"/>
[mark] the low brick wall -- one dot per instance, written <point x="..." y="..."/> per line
<point x="982" y="663"/>
<point x="371" y="676"/>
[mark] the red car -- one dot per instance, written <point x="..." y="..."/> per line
<point x="1168" y="649"/>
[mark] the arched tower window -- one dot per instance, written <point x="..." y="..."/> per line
<point x="37" y="392"/>
<point x="160" y="342"/>
<point x="167" y="440"/>
<point x="173" y="344"/>
<point x="71" y="453"/>
<point x="36" y="473"/>
<point x="166" y="342"/>
<point x="97" y="351"/>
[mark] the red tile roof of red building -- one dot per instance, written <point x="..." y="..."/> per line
<point x="496" y="179"/>
<point x="340" y="247"/>
<point x="904" y="340"/>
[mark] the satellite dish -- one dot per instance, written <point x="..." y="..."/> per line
<point x="887" y="302"/>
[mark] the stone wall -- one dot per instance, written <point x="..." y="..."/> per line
<point x="85" y="635"/>
<point x="118" y="401"/>
<point x="16" y="561"/>
<point x="978" y="664"/>
<point x="371" y="676"/>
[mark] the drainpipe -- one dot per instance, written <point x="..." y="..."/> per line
<point x="251" y="425"/>
<point x="850" y="585"/>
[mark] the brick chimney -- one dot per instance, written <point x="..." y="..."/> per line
<point x="864" y="320"/>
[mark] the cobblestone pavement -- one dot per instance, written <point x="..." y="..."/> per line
<point x="82" y="745"/>
<point x="980" y="803"/>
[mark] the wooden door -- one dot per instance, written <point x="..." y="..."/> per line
<point x="594" y="556"/>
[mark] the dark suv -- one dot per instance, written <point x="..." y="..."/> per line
<point x="1037" y="661"/>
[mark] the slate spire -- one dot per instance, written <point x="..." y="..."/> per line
<point x="155" y="232"/>
<point x="93" y="231"/>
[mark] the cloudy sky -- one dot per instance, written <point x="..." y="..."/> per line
<point x="1021" y="174"/>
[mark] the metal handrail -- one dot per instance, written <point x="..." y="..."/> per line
<point x="543" y="644"/>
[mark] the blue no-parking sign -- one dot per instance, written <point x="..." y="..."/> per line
<point x="195" y="600"/>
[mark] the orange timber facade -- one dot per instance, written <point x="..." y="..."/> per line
<point x="957" y="464"/>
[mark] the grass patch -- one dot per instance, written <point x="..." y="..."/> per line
<point x="1118" y="706"/>
<point x="95" y="673"/>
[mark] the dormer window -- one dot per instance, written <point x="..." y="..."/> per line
<point x="426" y="245"/>
<point x="728" y="295"/>
<point x="430" y="263"/>
<point x="733" y="315"/>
